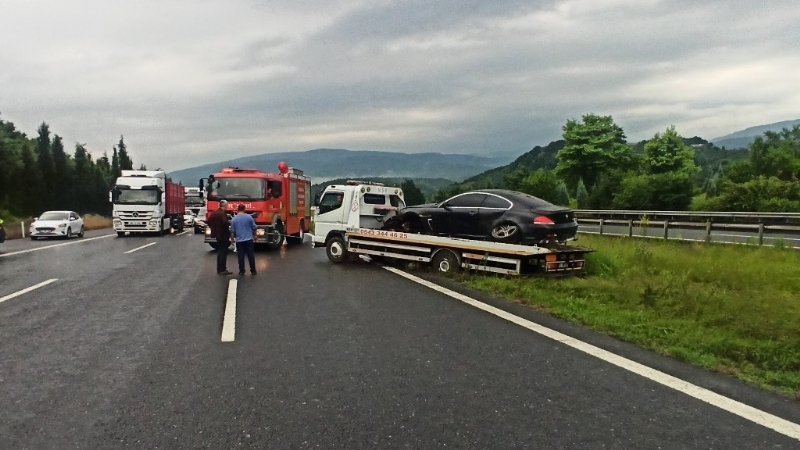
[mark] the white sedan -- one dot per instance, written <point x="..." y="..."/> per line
<point x="189" y="218"/>
<point x="63" y="224"/>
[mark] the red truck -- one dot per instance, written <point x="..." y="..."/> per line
<point x="279" y="202"/>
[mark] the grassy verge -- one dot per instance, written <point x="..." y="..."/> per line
<point x="732" y="309"/>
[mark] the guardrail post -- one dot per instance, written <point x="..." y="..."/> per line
<point x="666" y="229"/>
<point x="761" y="233"/>
<point x="22" y="226"/>
<point x="601" y="226"/>
<point x="630" y="228"/>
<point x="708" y="231"/>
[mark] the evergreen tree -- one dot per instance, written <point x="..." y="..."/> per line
<point x="31" y="195"/>
<point x="125" y="162"/>
<point x="561" y="194"/>
<point x="412" y="194"/>
<point x="582" y="195"/>
<point x="44" y="159"/>
<point x="115" y="169"/>
<point x="62" y="187"/>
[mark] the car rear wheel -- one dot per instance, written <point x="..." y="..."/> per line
<point x="507" y="232"/>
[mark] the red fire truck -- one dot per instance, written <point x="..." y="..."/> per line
<point x="278" y="202"/>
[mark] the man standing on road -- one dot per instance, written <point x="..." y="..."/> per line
<point x="243" y="227"/>
<point x="220" y="230"/>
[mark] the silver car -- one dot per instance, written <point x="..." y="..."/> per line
<point x="61" y="224"/>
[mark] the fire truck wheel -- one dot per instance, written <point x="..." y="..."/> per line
<point x="336" y="249"/>
<point x="275" y="240"/>
<point x="445" y="261"/>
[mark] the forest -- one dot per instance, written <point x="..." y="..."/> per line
<point x="37" y="174"/>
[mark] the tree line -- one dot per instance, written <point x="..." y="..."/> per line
<point x="37" y="174"/>
<point x="594" y="167"/>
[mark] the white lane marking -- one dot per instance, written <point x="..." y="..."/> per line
<point x="26" y="290"/>
<point x="55" y="245"/>
<point x="763" y="418"/>
<point x="182" y="233"/>
<point x="139" y="248"/>
<point x="229" y="320"/>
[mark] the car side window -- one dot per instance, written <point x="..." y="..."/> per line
<point x="466" y="201"/>
<point x="493" y="201"/>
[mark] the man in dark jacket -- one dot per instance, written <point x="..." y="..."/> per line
<point x="220" y="230"/>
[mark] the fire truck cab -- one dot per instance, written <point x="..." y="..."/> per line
<point x="278" y="202"/>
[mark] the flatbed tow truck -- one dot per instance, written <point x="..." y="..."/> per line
<point x="350" y="221"/>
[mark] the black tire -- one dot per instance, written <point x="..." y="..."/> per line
<point x="446" y="261"/>
<point x="33" y="238"/>
<point x="120" y="234"/>
<point x="507" y="232"/>
<point x="69" y="233"/>
<point x="81" y="233"/>
<point x="275" y="239"/>
<point x="336" y="249"/>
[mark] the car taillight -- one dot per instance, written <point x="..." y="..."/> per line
<point x="543" y="220"/>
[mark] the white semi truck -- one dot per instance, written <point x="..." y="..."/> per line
<point x="350" y="219"/>
<point x="196" y="203"/>
<point x="146" y="201"/>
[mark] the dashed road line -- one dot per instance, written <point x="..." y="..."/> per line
<point x="750" y="413"/>
<point x="139" y="248"/>
<point x="229" y="320"/>
<point x="19" y="252"/>
<point x="28" y="289"/>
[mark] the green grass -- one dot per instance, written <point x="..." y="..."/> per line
<point x="731" y="309"/>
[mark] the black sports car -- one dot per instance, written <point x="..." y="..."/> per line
<point x="491" y="214"/>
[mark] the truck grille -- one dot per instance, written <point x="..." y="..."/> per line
<point x="133" y="215"/>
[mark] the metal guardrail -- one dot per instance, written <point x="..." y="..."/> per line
<point x="767" y="229"/>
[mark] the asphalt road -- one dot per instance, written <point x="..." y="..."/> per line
<point x="124" y="350"/>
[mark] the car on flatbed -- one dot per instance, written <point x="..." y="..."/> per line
<point x="491" y="214"/>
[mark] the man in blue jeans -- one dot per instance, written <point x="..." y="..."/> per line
<point x="243" y="227"/>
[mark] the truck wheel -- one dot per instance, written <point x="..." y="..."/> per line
<point x="275" y="239"/>
<point x="336" y="249"/>
<point x="446" y="261"/>
<point x="120" y="234"/>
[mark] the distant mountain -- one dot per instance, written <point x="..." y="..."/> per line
<point x="327" y="164"/>
<point x="743" y="138"/>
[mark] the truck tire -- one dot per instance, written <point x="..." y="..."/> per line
<point x="336" y="249"/>
<point x="273" y="242"/>
<point x="446" y="261"/>
<point x="120" y="234"/>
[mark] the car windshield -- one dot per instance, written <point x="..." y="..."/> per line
<point x="54" y="215"/>
<point x="238" y="189"/>
<point x="137" y="197"/>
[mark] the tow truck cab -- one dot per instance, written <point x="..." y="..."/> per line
<point x="356" y="204"/>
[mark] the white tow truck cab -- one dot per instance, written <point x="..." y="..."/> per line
<point x="350" y="219"/>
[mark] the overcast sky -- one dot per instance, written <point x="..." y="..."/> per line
<point x="192" y="82"/>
